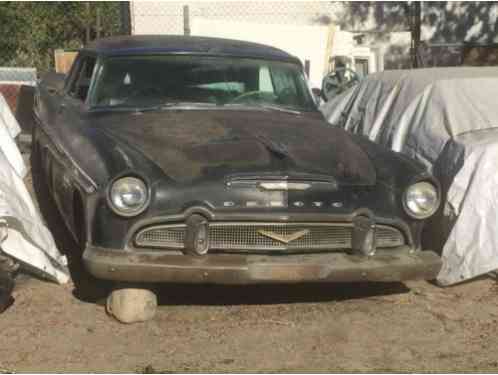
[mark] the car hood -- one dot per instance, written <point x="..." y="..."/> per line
<point x="192" y="145"/>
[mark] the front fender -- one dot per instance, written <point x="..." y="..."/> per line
<point x="394" y="170"/>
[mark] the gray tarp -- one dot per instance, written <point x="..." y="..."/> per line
<point x="427" y="114"/>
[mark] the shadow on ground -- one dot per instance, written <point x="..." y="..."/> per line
<point x="273" y="294"/>
<point x="89" y="289"/>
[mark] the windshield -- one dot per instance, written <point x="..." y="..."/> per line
<point x="146" y="81"/>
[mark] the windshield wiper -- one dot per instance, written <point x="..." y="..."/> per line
<point x="156" y="107"/>
<point x="276" y="148"/>
<point x="278" y="108"/>
<point x="268" y="107"/>
<point x="187" y="104"/>
<point x="167" y="105"/>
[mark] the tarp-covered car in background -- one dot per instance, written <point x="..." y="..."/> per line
<point x="446" y="118"/>
<point x="203" y="160"/>
<point x="24" y="240"/>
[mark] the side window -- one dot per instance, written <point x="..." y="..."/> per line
<point x="81" y="80"/>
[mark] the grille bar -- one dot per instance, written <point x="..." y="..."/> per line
<point x="253" y="237"/>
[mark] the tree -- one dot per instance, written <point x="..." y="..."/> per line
<point x="32" y="31"/>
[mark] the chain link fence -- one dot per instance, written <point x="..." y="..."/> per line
<point x="169" y="17"/>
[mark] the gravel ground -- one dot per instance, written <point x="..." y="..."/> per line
<point x="394" y="327"/>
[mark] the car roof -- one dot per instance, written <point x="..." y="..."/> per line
<point x="409" y="84"/>
<point x="179" y="44"/>
<point x="419" y="79"/>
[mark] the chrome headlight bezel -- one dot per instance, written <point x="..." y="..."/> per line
<point x="117" y="203"/>
<point x="412" y="207"/>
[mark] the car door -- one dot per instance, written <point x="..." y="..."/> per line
<point x="70" y="118"/>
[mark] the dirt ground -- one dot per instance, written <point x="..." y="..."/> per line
<point x="395" y="327"/>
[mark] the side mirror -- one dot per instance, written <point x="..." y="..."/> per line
<point x="317" y="93"/>
<point x="54" y="82"/>
<point x="338" y="81"/>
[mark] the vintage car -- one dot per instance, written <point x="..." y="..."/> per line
<point x="202" y="160"/>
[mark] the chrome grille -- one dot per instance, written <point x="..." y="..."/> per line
<point x="320" y="236"/>
<point x="247" y="237"/>
<point x="169" y="236"/>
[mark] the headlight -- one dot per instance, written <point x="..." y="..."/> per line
<point x="421" y="200"/>
<point x="128" y="196"/>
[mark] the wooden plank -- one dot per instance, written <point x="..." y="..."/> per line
<point x="64" y="60"/>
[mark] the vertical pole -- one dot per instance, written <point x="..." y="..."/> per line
<point x="98" y="23"/>
<point x="416" y="15"/>
<point x="87" y="27"/>
<point x="186" y="20"/>
<point x="307" y="68"/>
<point x="124" y="9"/>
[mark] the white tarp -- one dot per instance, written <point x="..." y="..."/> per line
<point x="427" y="114"/>
<point x="24" y="236"/>
<point x="9" y="129"/>
<point x="472" y="199"/>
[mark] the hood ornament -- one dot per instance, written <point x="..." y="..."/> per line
<point x="283" y="185"/>
<point x="277" y="182"/>
<point x="284" y="238"/>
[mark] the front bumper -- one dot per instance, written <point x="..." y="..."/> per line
<point x="386" y="265"/>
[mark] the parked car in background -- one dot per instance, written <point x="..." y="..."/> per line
<point x="447" y="119"/>
<point x="201" y="160"/>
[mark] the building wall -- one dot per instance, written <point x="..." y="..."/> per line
<point x="376" y="21"/>
<point x="167" y="17"/>
<point x="384" y="26"/>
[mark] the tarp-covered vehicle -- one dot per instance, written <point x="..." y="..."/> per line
<point x="202" y="160"/>
<point x="25" y="242"/>
<point x="447" y="119"/>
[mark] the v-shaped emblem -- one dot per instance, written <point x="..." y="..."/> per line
<point x="284" y="238"/>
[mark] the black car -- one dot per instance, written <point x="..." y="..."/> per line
<point x="202" y="160"/>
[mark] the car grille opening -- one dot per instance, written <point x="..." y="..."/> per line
<point x="168" y="236"/>
<point x="254" y="237"/>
